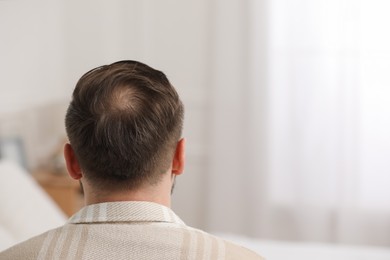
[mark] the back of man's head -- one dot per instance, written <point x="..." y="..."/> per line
<point x="123" y="124"/>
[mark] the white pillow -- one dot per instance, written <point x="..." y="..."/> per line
<point x="25" y="209"/>
<point x="6" y="239"/>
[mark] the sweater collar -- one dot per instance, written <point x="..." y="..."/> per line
<point x="129" y="211"/>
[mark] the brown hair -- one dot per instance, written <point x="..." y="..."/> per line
<point x="123" y="123"/>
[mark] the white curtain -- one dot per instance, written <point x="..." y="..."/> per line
<point x="300" y="121"/>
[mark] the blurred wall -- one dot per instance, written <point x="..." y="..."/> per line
<point x="32" y="51"/>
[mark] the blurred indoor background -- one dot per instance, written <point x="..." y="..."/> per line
<point x="287" y="103"/>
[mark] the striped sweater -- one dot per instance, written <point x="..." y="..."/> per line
<point x="126" y="230"/>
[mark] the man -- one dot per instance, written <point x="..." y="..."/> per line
<point x="124" y="126"/>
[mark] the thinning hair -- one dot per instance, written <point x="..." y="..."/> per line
<point x="123" y="122"/>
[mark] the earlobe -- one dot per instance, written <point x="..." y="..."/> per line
<point x="72" y="163"/>
<point x="179" y="158"/>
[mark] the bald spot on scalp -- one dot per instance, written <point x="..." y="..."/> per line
<point x="124" y="98"/>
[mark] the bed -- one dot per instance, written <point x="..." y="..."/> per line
<point x="278" y="250"/>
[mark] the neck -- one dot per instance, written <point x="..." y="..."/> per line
<point x="139" y="195"/>
<point x="159" y="193"/>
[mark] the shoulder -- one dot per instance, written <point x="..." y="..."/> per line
<point x="28" y="249"/>
<point x="217" y="247"/>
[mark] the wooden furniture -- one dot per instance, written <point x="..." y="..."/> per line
<point x="66" y="192"/>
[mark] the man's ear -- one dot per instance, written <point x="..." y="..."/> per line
<point x="179" y="158"/>
<point x="72" y="164"/>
